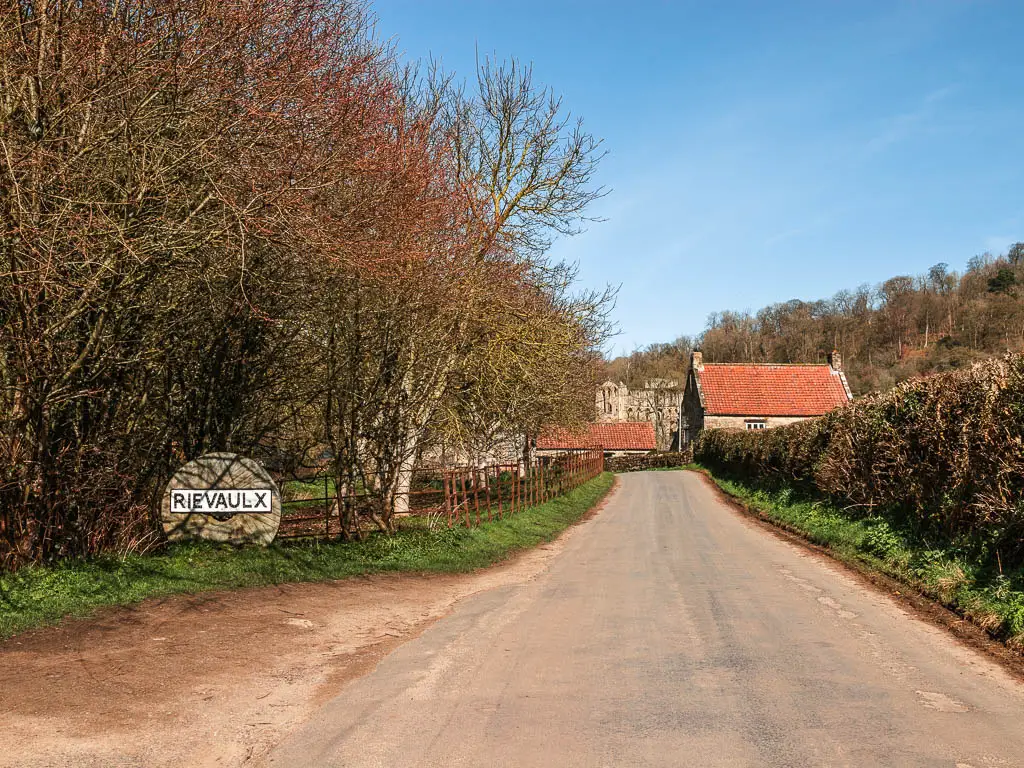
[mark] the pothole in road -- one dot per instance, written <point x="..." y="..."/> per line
<point x="940" y="702"/>
<point x="837" y="607"/>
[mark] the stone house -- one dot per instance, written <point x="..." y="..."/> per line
<point x="484" y="450"/>
<point x="656" y="402"/>
<point x="623" y="438"/>
<point x="759" y="395"/>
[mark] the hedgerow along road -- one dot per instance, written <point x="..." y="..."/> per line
<point x="670" y="631"/>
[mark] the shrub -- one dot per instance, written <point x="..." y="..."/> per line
<point x="945" y="452"/>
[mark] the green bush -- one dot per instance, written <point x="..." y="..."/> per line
<point x="882" y="541"/>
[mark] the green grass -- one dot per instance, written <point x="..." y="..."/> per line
<point x="37" y="596"/>
<point x="307" y="489"/>
<point x="958" y="574"/>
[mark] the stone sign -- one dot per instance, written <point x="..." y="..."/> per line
<point x="221" y="497"/>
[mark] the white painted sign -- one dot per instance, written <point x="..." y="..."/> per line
<point x="235" y="501"/>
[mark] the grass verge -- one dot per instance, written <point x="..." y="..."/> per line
<point x="38" y="596"/>
<point x="951" y="572"/>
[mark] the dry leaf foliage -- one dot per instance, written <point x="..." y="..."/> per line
<point x="243" y="225"/>
<point x="947" y="450"/>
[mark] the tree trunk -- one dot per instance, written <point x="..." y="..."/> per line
<point x="401" y="501"/>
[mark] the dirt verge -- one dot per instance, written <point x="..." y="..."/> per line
<point x="215" y="679"/>
<point x="907" y="596"/>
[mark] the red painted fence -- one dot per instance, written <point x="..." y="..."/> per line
<point x="453" y="496"/>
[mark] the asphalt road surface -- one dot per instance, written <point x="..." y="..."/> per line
<point x="672" y="632"/>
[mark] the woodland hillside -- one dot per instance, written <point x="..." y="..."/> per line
<point x="904" y="327"/>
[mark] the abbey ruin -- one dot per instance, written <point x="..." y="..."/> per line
<point x="657" y="401"/>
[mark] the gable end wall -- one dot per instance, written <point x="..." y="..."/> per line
<point x="739" y="422"/>
<point x="693" y="407"/>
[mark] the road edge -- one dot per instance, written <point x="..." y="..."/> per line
<point x="228" y="570"/>
<point x="905" y="595"/>
<point x="368" y="657"/>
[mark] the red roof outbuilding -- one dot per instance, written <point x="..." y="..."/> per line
<point x="770" y="390"/>
<point x="611" y="436"/>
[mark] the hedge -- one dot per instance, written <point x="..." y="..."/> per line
<point x="946" y="451"/>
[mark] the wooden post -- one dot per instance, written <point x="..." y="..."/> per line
<point x="476" y="492"/>
<point x="327" y="511"/>
<point x="460" y="490"/>
<point x="514" y="473"/>
<point x="517" y="491"/>
<point x="447" y="498"/>
<point x="527" y="486"/>
<point x="460" y="502"/>
<point x="499" y="478"/>
<point x="455" y="496"/>
<point x="487" y="491"/>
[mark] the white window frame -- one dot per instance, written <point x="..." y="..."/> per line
<point x="752" y="424"/>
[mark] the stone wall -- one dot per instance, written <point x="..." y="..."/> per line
<point x="640" y="462"/>
<point x="693" y="414"/>
<point x="658" y="403"/>
<point x="740" y="422"/>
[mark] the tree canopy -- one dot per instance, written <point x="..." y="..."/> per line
<point x="907" y="326"/>
<point x="244" y="225"/>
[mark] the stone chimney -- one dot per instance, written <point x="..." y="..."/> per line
<point x="697" y="360"/>
<point x="835" y="360"/>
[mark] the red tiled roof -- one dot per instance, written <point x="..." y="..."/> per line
<point x="770" y="390"/>
<point x="612" y="436"/>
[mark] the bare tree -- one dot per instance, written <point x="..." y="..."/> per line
<point x="525" y="164"/>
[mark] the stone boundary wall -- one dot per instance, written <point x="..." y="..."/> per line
<point x="640" y="462"/>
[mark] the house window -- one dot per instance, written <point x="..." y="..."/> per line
<point x="755" y="423"/>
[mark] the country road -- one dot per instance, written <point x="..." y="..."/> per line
<point x="672" y="632"/>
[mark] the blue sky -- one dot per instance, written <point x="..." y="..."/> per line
<point x="765" y="151"/>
